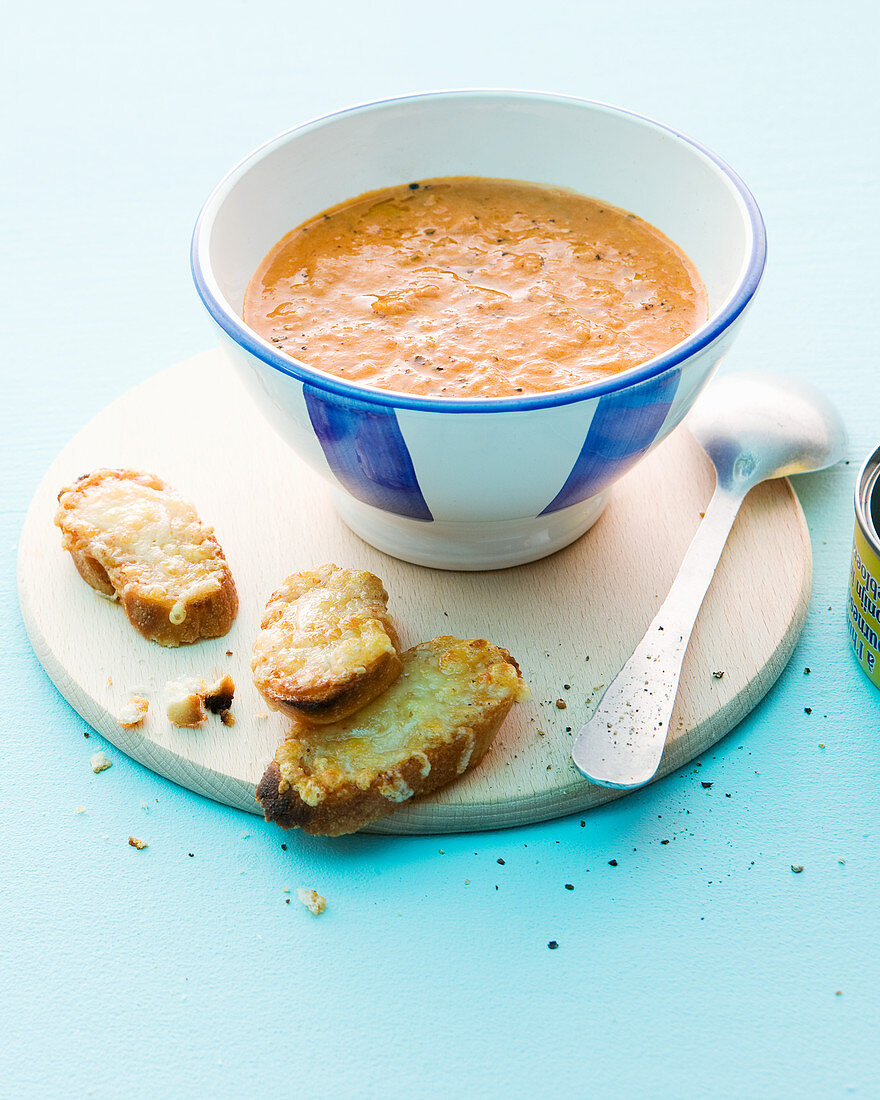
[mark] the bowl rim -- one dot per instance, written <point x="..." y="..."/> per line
<point x="234" y="327"/>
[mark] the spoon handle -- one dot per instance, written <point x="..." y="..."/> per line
<point x="621" y="745"/>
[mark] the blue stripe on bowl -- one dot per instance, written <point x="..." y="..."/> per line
<point x="623" y="427"/>
<point x="365" y="450"/>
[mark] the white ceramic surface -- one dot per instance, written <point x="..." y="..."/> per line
<point x="476" y="484"/>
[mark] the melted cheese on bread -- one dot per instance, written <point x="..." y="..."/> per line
<point x="327" y="644"/>
<point x="136" y="539"/>
<point x="434" y="722"/>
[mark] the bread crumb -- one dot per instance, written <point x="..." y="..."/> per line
<point x="100" y="762"/>
<point x="185" y="702"/>
<point x="561" y="704"/>
<point x="135" y="842"/>
<point x="80" y="809"/>
<point x="109" y="681"/>
<point x="133" y="712"/>
<point x="188" y="700"/>
<point x="219" y="697"/>
<point x="312" y="900"/>
<point x="145" y="806"/>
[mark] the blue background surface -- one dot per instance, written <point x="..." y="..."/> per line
<point x="701" y="967"/>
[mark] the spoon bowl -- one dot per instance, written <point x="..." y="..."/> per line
<point x="753" y="427"/>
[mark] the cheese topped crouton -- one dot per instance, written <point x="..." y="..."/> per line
<point x="434" y="722"/>
<point x="135" y="539"/>
<point x="327" y="644"/>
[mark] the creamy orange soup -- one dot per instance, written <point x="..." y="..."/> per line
<point x="475" y="288"/>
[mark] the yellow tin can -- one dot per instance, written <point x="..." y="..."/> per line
<point x="863" y="605"/>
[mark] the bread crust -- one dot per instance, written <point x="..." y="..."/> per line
<point x="174" y="592"/>
<point x="313" y="785"/>
<point x="327" y="645"/>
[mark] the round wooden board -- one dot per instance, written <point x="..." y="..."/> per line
<point x="571" y="620"/>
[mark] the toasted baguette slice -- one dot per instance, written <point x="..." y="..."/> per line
<point x="135" y="539"/>
<point x="327" y="645"/>
<point x="430" y="726"/>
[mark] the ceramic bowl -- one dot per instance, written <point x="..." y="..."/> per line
<point x="477" y="483"/>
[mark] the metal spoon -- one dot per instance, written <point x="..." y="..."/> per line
<point x="753" y="427"/>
